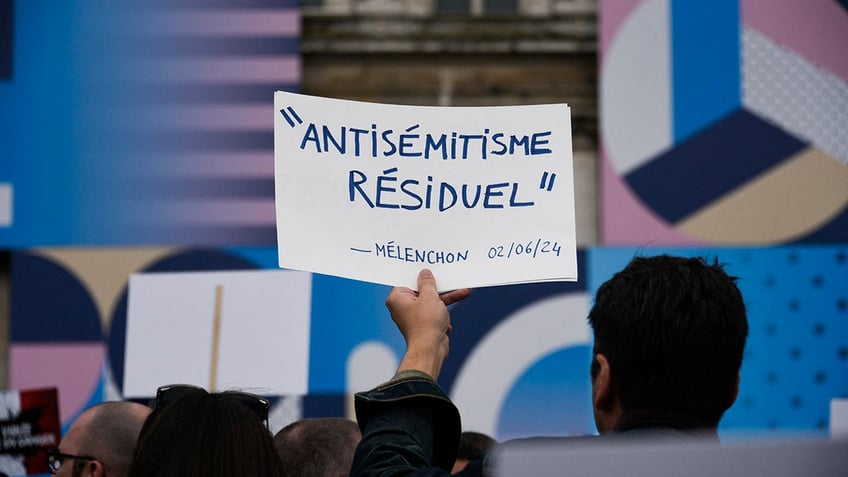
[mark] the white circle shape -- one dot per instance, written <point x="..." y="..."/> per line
<point x="510" y="349"/>
<point x="635" y="96"/>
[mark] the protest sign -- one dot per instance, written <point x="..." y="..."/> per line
<point x="375" y="192"/>
<point x="29" y="424"/>
<point x="246" y="330"/>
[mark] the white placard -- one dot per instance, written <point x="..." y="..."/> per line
<point x="245" y="330"/>
<point x="375" y="192"/>
<point x="839" y="418"/>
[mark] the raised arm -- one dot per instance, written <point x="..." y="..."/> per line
<point x="409" y="426"/>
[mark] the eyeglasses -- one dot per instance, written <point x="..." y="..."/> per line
<point x="257" y="404"/>
<point x="55" y="459"/>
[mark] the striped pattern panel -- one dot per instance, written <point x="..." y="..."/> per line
<point x="202" y="74"/>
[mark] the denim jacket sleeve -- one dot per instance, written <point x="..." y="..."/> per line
<point x="409" y="428"/>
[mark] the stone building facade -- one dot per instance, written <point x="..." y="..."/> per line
<point x="464" y="53"/>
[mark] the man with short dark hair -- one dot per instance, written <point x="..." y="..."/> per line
<point x="669" y="337"/>
<point x="101" y="441"/>
<point x="318" y="447"/>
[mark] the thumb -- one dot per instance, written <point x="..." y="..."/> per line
<point x="426" y="283"/>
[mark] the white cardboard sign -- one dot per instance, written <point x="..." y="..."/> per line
<point x="245" y="330"/>
<point x="839" y="418"/>
<point x="375" y="192"/>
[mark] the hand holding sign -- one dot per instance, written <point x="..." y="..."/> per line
<point x="424" y="322"/>
<point x="376" y="192"/>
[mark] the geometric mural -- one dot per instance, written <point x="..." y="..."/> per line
<point x="724" y="122"/>
<point x="76" y="340"/>
<point x="514" y="349"/>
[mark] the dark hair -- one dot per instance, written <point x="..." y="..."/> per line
<point x="201" y="435"/>
<point x="318" y="447"/>
<point x="673" y="330"/>
<point x="474" y="445"/>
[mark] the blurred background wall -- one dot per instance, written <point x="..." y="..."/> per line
<point x="136" y="137"/>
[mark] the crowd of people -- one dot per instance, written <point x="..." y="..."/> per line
<point x="669" y="336"/>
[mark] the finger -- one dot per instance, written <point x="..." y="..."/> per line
<point x="426" y="283"/>
<point x="454" y="296"/>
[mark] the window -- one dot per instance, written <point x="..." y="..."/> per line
<point x="476" y="7"/>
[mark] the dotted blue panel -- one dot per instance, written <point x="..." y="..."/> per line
<point x="797" y="355"/>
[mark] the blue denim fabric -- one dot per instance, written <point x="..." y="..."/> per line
<point x="409" y="428"/>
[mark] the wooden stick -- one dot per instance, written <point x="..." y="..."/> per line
<point x="216" y="338"/>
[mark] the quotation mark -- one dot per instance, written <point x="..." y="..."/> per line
<point x="545" y="184"/>
<point x="291" y="116"/>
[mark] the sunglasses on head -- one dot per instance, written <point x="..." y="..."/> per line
<point x="257" y="404"/>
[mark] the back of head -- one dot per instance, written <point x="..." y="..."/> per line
<point x="673" y="330"/>
<point x="109" y="431"/>
<point x="203" y="434"/>
<point x="318" y="447"/>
